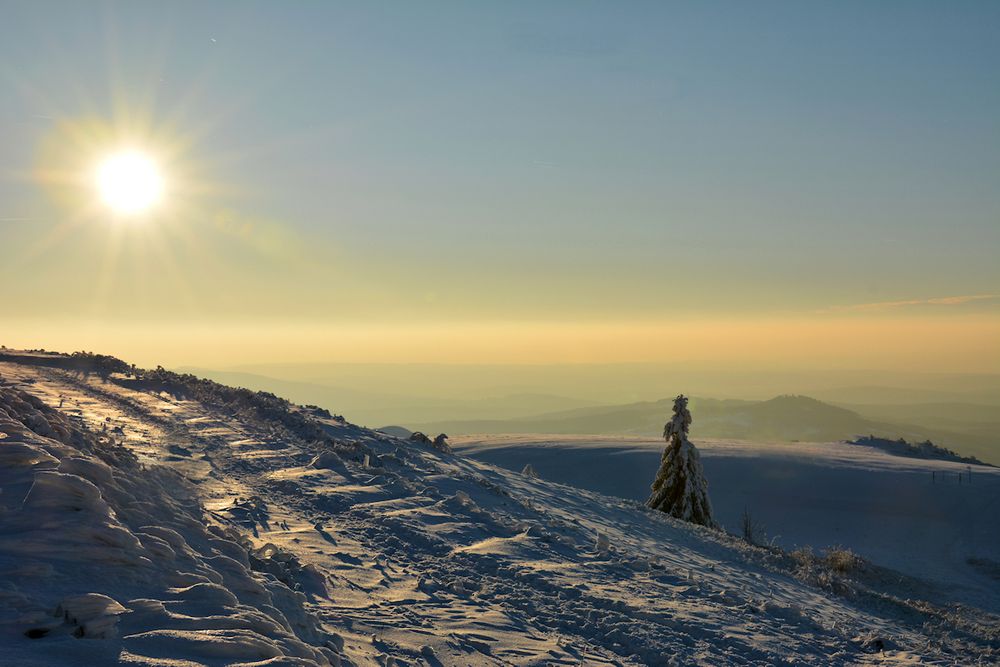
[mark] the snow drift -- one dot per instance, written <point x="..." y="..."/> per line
<point x="94" y="545"/>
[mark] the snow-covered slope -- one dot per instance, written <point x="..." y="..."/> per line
<point x="159" y="520"/>
<point x="922" y="517"/>
<point x="94" y="545"/>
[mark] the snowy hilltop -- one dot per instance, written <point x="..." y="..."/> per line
<point x="150" y="518"/>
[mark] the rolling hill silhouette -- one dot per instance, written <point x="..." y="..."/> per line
<point x="780" y="418"/>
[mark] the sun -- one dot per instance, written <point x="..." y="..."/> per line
<point x="130" y="182"/>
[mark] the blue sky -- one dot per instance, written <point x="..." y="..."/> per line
<point x="541" y="159"/>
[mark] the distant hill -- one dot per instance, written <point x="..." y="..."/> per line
<point x="970" y="429"/>
<point x="780" y="418"/>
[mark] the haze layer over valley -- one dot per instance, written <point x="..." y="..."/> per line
<point x="958" y="411"/>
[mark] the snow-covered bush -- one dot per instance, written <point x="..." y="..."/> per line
<point x="441" y="443"/>
<point x="680" y="488"/>
<point x="419" y="437"/>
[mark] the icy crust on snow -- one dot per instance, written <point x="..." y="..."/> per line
<point x="103" y="560"/>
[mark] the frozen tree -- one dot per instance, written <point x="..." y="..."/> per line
<point x="680" y="488"/>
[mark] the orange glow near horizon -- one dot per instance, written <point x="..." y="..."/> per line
<point x="957" y="344"/>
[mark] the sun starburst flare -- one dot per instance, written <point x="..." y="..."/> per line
<point x="130" y="182"/>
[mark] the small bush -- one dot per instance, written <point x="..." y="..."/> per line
<point x="832" y="571"/>
<point x="843" y="561"/>
<point x="803" y="557"/>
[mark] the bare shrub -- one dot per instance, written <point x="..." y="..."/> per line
<point x="832" y="571"/>
<point x="752" y="530"/>
<point x="842" y="561"/>
<point x="803" y="557"/>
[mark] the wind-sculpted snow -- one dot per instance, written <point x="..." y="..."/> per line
<point x="116" y="552"/>
<point x="231" y="534"/>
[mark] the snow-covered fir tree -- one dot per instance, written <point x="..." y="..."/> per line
<point x="680" y="488"/>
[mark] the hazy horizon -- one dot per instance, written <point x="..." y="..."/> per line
<point x="623" y="381"/>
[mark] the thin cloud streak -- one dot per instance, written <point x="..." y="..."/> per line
<point x="890" y="305"/>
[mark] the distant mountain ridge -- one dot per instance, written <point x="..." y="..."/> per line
<point x="785" y="417"/>
<point x="968" y="428"/>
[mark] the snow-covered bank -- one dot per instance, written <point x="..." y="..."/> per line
<point x="158" y="519"/>
<point x="93" y="545"/>
<point x="919" y="516"/>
